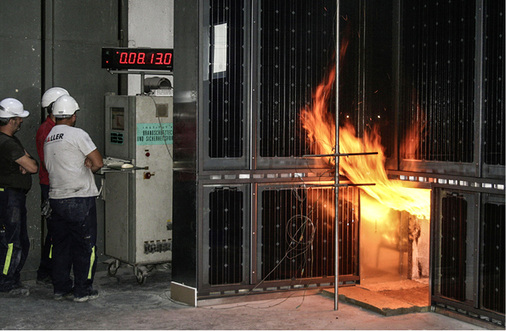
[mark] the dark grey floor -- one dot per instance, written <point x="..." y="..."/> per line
<point x="124" y="304"/>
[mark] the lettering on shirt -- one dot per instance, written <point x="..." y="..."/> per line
<point x="54" y="137"/>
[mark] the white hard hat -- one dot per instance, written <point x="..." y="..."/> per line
<point x="52" y="94"/>
<point x="11" y="107"/>
<point x="65" y="106"/>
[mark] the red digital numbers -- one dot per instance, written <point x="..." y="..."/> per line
<point x="138" y="58"/>
<point x="142" y="57"/>
<point x="161" y="58"/>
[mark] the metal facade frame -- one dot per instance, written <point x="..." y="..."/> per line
<point x="473" y="179"/>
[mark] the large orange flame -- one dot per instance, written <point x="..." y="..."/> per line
<point x="319" y="124"/>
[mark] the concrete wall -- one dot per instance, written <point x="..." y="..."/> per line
<point x="150" y="24"/>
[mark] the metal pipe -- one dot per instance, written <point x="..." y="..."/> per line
<point x="336" y="178"/>
<point x="340" y="154"/>
<point x="141" y="72"/>
<point x="142" y="82"/>
<point x="340" y="185"/>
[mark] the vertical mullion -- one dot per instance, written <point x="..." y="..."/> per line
<point x="231" y="70"/>
<point x="226" y="235"/>
<point x="228" y="77"/>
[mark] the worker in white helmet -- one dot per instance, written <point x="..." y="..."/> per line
<point x="48" y="99"/>
<point x="16" y="168"/>
<point x="71" y="158"/>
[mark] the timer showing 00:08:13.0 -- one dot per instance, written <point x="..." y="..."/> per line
<point x="145" y="58"/>
<point x="138" y="58"/>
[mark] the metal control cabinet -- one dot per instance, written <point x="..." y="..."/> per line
<point x="138" y="199"/>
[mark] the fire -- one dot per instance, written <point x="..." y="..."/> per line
<point x="319" y="124"/>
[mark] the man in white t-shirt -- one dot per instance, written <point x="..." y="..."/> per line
<point x="71" y="158"/>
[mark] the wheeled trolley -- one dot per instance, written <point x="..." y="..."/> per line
<point x="137" y="182"/>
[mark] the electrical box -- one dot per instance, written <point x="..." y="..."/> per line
<point x="137" y="187"/>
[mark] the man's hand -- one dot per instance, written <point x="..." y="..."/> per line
<point x="94" y="161"/>
<point x="87" y="163"/>
<point x="28" y="164"/>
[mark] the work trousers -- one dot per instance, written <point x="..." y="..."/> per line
<point x="14" y="242"/>
<point x="73" y="226"/>
<point x="44" y="270"/>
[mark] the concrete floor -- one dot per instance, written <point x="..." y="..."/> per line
<point x="124" y="304"/>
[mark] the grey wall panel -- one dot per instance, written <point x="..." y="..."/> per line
<point x="186" y="98"/>
<point x="20" y="35"/>
<point x="20" y="78"/>
<point x="80" y="30"/>
<point x="86" y="21"/>
<point x="20" y="72"/>
<point x="57" y="43"/>
<point x="20" y="19"/>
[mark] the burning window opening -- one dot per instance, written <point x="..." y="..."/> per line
<point x="395" y="218"/>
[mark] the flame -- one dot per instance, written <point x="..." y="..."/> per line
<point x="409" y="148"/>
<point x="319" y="124"/>
<point x="317" y="121"/>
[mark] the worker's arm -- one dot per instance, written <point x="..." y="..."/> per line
<point x="94" y="161"/>
<point x="28" y="164"/>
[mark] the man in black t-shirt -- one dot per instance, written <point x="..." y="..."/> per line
<point x="16" y="168"/>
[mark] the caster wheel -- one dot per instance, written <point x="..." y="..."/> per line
<point x="113" y="268"/>
<point x="141" y="275"/>
<point x="141" y="280"/>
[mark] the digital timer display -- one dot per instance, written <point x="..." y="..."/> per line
<point x="137" y="58"/>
